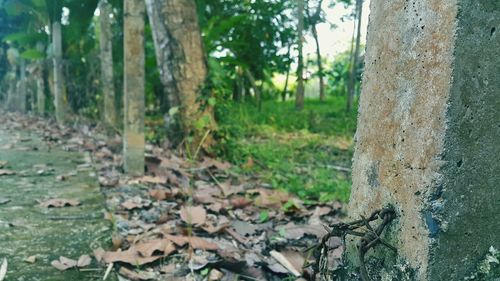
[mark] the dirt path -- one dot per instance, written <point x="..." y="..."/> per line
<point x="28" y="229"/>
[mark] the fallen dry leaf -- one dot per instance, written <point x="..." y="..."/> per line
<point x="196" y="215"/>
<point x="194" y="242"/>
<point x="4" y="172"/>
<point x="210" y="162"/>
<point x="59" y="203"/>
<point x="285" y="262"/>
<point x="84" y="261"/>
<point x="63" y="263"/>
<point x="136" y="275"/>
<point x="147" y="249"/>
<point x="215" y="275"/>
<point x="135" y="203"/>
<point x="30" y="259"/>
<point x="149" y="179"/>
<point x="161" y="193"/>
<point x="130" y="256"/>
<point x="3" y="269"/>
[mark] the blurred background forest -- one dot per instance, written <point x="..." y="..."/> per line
<point x="257" y="61"/>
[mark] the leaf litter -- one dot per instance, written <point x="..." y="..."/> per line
<point x="191" y="220"/>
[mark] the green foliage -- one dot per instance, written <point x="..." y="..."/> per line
<point x="292" y="150"/>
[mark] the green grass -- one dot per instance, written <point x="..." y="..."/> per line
<point x="291" y="150"/>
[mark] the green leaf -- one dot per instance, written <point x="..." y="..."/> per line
<point x="263" y="216"/>
<point x="25" y="38"/>
<point x="32" y="54"/>
<point x="212" y="101"/>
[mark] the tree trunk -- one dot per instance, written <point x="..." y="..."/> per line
<point x="314" y="29"/>
<point x="21" y="87"/>
<point x="11" y="92"/>
<point x="352" y="76"/>
<point x="285" y="89"/>
<point x="299" y="97"/>
<point x="181" y="61"/>
<point x="238" y="86"/>
<point x="40" y="89"/>
<point x="164" y="53"/>
<point x="134" y="87"/>
<point x="60" y="99"/>
<point x="254" y="86"/>
<point x="108" y="87"/>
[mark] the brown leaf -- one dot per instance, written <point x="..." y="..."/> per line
<point x="240" y="202"/>
<point x="149" y="179"/>
<point x="294" y="232"/>
<point x="249" y="164"/>
<point x="228" y="189"/>
<point x="196" y="215"/>
<point x="63" y="263"/>
<point x="59" y="203"/>
<point x="195" y="242"/>
<point x="212" y="163"/>
<point x="135" y="203"/>
<point x="99" y="253"/>
<point x="160" y="194"/>
<point x="318" y="212"/>
<point x="136" y="275"/>
<point x="215" y="275"/>
<point x="84" y="261"/>
<point x="147" y="249"/>
<point x="269" y="198"/>
<point x="130" y="256"/>
<point x="4" y="172"/>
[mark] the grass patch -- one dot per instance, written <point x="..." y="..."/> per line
<point x="294" y="151"/>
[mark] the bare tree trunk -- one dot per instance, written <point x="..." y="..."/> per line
<point x="11" y="92"/>
<point x="299" y="97"/>
<point x="238" y="85"/>
<point x="256" y="89"/>
<point x="21" y="87"/>
<point x="181" y="60"/>
<point x="40" y="89"/>
<point x="60" y="99"/>
<point x="162" y="40"/>
<point x="352" y="76"/>
<point x="351" y="53"/>
<point x="134" y="87"/>
<point x="108" y="86"/>
<point x="285" y="89"/>
<point x="314" y="20"/>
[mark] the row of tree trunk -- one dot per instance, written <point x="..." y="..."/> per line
<point x="182" y="67"/>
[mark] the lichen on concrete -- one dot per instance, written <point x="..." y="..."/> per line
<point x="427" y="133"/>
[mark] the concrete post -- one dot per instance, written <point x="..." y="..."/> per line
<point x="428" y="139"/>
<point x="133" y="138"/>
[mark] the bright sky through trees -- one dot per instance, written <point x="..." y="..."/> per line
<point x="336" y="40"/>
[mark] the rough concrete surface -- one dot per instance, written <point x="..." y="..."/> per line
<point x="28" y="229"/>
<point x="428" y="136"/>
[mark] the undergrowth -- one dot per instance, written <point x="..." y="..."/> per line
<point x="294" y="151"/>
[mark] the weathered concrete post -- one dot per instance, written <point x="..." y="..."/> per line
<point x="428" y="140"/>
<point x="133" y="138"/>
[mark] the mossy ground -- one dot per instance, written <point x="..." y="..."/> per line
<point x="27" y="229"/>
